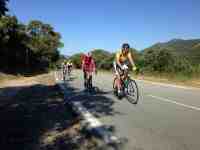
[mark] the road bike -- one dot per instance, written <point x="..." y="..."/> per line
<point x="88" y="81"/>
<point x="129" y="87"/>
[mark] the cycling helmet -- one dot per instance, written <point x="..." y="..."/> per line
<point x="125" y="45"/>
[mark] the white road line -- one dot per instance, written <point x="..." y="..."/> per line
<point x="92" y="122"/>
<point x="174" y="102"/>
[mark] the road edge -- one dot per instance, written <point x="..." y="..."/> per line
<point x="92" y="124"/>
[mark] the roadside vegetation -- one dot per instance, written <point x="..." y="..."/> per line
<point x="176" y="60"/>
<point x="28" y="47"/>
<point x="33" y="113"/>
<point x="33" y="47"/>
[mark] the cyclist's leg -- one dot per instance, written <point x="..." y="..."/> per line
<point x="85" y="78"/>
<point x="90" y="79"/>
<point x="63" y="74"/>
<point x="117" y="75"/>
<point x="69" y="70"/>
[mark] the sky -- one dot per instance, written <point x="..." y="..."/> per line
<point x="106" y="24"/>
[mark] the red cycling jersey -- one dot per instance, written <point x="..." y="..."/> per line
<point x="88" y="64"/>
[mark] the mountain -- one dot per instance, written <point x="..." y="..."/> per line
<point x="180" y="47"/>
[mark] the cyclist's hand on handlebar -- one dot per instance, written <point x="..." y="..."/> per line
<point x="124" y="67"/>
<point x="134" y="68"/>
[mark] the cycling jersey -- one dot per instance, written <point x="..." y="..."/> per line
<point x="88" y="64"/>
<point x="122" y="57"/>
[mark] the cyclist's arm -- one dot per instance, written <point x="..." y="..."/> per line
<point x="118" y="60"/>
<point x="82" y="64"/>
<point x="131" y="60"/>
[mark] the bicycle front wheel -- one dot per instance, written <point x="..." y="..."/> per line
<point x="132" y="92"/>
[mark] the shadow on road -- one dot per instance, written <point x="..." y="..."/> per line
<point x="97" y="103"/>
<point x="30" y="114"/>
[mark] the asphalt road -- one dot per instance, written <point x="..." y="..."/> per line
<point x="166" y="117"/>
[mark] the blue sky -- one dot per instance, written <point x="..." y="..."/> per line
<point x="88" y="24"/>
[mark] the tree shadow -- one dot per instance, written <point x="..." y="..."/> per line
<point x="99" y="106"/>
<point x="30" y="113"/>
<point x="95" y="102"/>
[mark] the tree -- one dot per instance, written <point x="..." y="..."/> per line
<point x="44" y="42"/>
<point x="27" y="46"/>
<point x="76" y="59"/>
<point x="101" y="57"/>
<point x="3" y="8"/>
<point x="12" y="41"/>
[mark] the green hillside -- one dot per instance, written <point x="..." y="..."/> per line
<point x="179" y="47"/>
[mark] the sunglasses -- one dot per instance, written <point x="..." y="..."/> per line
<point x="125" y="48"/>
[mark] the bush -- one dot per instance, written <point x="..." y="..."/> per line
<point x="76" y="59"/>
<point x="157" y="60"/>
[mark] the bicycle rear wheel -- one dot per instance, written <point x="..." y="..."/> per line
<point x="132" y="92"/>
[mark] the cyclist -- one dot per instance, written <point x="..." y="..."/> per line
<point x="88" y="67"/>
<point x="69" y="66"/>
<point x="123" y="58"/>
<point x="64" y="69"/>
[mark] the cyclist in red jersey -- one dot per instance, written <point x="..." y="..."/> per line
<point x="88" y="67"/>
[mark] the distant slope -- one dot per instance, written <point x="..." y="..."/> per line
<point x="188" y="48"/>
<point x="195" y="51"/>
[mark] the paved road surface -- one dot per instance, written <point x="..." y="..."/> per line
<point x="166" y="118"/>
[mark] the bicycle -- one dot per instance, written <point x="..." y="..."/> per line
<point x="88" y="82"/>
<point x="129" y="86"/>
<point x="64" y="74"/>
<point x="69" y="70"/>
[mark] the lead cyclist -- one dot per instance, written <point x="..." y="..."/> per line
<point x="122" y="60"/>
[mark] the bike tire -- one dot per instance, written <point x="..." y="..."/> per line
<point x="132" y="92"/>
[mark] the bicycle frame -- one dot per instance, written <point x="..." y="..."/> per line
<point x="124" y="75"/>
<point x="128" y="86"/>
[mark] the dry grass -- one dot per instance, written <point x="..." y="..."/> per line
<point x="6" y="77"/>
